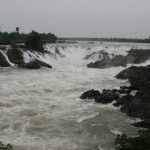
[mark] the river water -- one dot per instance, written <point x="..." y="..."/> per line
<point x="41" y="109"/>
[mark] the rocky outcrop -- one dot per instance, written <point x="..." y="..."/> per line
<point x="139" y="106"/>
<point x="36" y="64"/>
<point x="137" y="56"/>
<point x="135" y="106"/>
<point x="134" y="56"/>
<point x="138" y="76"/>
<point x="105" y="97"/>
<point x="123" y="100"/>
<point x="3" y="61"/>
<point x="15" y="56"/>
<point x="116" y="61"/>
<point x="91" y="94"/>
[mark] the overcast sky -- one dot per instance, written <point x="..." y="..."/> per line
<point x="78" y="18"/>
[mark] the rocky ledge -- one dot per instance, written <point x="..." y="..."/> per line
<point x="134" y="56"/>
<point x="16" y="56"/>
<point x="137" y="105"/>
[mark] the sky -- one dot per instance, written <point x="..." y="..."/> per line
<point x="78" y="18"/>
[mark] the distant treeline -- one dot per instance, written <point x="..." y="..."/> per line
<point x="146" y="40"/>
<point x="16" y="37"/>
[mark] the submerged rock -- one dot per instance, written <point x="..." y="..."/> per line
<point x="3" y="61"/>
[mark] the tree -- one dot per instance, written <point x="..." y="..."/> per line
<point x="17" y="29"/>
<point x="34" y="42"/>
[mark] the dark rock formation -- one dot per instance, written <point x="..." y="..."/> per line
<point x="106" y="97"/>
<point x="138" y="76"/>
<point x="142" y="124"/>
<point x="135" y="56"/>
<point x="15" y="56"/>
<point x="139" y="106"/>
<point x="123" y="100"/>
<point x="3" y="61"/>
<point x="91" y="94"/>
<point x="36" y="64"/>
<point x="116" y="61"/>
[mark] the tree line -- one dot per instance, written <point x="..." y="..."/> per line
<point x="17" y="37"/>
<point x="132" y="40"/>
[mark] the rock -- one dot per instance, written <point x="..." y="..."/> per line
<point x="91" y="94"/>
<point x="15" y="56"/>
<point x="4" y="48"/>
<point x="137" y="76"/>
<point x="3" y="61"/>
<point x="106" y="97"/>
<point x="36" y="64"/>
<point x="100" y="55"/>
<point x="142" y="124"/>
<point x="123" y="100"/>
<point x="31" y="65"/>
<point x="116" y="61"/>
<point x="137" y="56"/>
<point x="42" y="64"/>
<point x="139" y="105"/>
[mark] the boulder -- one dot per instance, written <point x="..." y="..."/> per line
<point x="3" y="61"/>
<point x="91" y="94"/>
<point x="15" y="56"/>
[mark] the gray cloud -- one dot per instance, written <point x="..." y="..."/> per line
<point x="78" y="18"/>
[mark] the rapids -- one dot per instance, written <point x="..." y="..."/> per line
<point x="41" y="109"/>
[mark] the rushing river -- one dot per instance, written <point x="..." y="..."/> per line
<point x="41" y="109"/>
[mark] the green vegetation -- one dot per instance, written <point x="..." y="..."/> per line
<point x="140" y="142"/>
<point x="16" y="37"/>
<point x="7" y="147"/>
<point x="34" y="42"/>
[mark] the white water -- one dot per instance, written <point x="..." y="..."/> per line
<point x="41" y="109"/>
